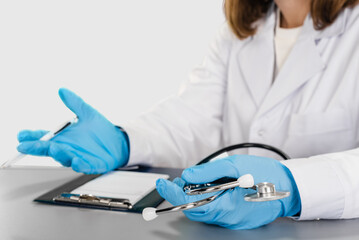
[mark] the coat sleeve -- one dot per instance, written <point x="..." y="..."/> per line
<point x="184" y="128"/>
<point x="328" y="185"/>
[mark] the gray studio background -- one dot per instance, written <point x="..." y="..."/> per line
<point x="122" y="57"/>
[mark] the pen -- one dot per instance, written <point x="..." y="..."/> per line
<point x="46" y="137"/>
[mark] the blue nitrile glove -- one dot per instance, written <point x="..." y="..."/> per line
<point x="92" y="145"/>
<point x="230" y="210"/>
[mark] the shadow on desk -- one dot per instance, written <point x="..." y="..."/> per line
<point x="282" y="228"/>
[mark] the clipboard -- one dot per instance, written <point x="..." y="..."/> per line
<point x="62" y="195"/>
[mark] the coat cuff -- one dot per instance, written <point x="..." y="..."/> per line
<point x="320" y="189"/>
<point x="140" y="151"/>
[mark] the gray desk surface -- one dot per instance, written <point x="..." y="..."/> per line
<point x="21" y="218"/>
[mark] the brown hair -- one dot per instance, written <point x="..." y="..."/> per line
<point x="241" y="14"/>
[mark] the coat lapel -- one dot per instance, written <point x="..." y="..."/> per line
<point x="256" y="60"/>
<point x="303" y="62"/>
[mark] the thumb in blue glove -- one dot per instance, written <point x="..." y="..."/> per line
<point x="92" y="145"/>
<point x="230" y="210"/>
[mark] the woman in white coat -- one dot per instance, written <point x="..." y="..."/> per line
<point x="283" y="73"/>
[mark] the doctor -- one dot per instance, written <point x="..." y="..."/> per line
<point x="282" y="72"/>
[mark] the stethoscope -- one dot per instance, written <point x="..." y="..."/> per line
<point x="265" y="191"/>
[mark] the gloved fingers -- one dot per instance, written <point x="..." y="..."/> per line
<point x="76" y="104"/>
<point x="80" y="164"/>
<point x="62" y="153"/>
<point x="211" y="171"/>
<point x="214" y="210"/>
<point x="90" y="164"/>
<point x="208" y="213"/>
<point x="176" y="196"/>
<point x="171" y="192"/>
<point x="197" y="216"/>
<point x="179" y="182"/>
<point x="37" y="148"/>
<point x="29" y="135"/>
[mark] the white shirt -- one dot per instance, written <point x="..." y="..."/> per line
<point x="284" y="41"/>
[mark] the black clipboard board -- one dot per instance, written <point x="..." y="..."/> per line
<point x="153" y="199"/>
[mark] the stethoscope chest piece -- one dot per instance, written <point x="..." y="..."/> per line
<point x="265" y="192"/>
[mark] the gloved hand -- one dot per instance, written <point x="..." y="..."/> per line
<point x="92" y="145"/>
<point x="230" y="210"/>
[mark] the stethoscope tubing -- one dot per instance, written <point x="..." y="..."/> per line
<point x="244" y="145"/>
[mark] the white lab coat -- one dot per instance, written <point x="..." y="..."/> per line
<point x="310" y="111"/>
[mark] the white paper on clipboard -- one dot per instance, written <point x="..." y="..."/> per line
<point x="121" y="184"/>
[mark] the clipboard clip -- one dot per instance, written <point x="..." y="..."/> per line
<point x="89" y="199"/>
